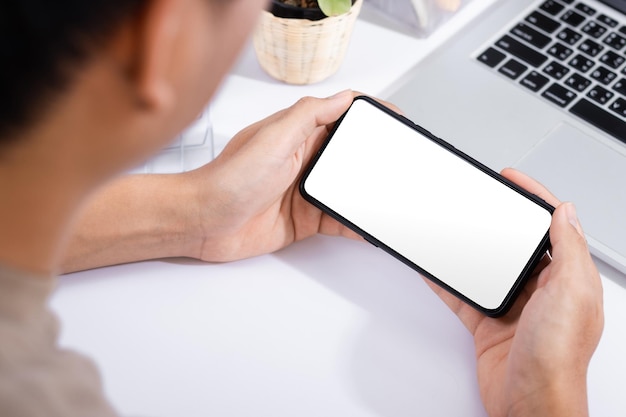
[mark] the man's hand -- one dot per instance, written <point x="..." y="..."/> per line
<point x="248" y="199"/>
<point x="533" y="361"/>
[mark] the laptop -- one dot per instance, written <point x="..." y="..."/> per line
<point x="539" y="86"/>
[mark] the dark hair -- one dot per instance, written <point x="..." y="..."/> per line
<point x="42" y="43"/>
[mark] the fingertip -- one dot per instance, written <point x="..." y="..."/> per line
<point x="342" y="95"/>
<point x="302" y="119"/>
<point x="530" y="184"/>
<point x="565" y="230"/>
<point x="568" y="210"/>
<point x="340" y="102"/>
<point x="334" y="106"/>
<point x="508" y="171"/>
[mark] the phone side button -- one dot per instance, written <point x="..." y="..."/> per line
<point x="370" y="241"/>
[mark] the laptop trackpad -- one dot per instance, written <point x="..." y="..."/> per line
<point x="578" y="168"/>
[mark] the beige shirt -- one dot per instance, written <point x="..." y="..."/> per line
<point x="37" y="377"/>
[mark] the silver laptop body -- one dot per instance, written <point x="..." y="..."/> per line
<point x="503" y="114"/>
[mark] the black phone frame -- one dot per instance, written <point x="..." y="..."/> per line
<point x="526" y="272"/>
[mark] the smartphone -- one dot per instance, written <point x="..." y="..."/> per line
<point x="444" y="214"/>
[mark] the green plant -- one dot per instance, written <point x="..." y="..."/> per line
<point x="334" y="7"/>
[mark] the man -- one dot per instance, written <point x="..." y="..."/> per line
<point x="94" y="87"/>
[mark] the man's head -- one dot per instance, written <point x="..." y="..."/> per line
<point x="159" y="61"/>
<point x="42" y="45"/>
<point x="90" y="88"/>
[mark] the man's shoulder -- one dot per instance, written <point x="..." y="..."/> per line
<point x="37" y="376"/>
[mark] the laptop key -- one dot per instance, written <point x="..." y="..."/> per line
<point x="607" y="21"/>
<point x="569" y="36"/>
<point x="572" y="18"/>
<point x="534" y="81"/>
<point x="530" y="35"/>
<point x="556" y="70"/>
<point x="491" y="57"/>
<point x="543" y="22"/>
<point x="600" y="95"/>
<point x="600" y="118"/>
<point x="521" y="51"/>
<point x="589" y="11"/>
<point x="612" y="59"/>
<point x="513" y="69"/>
<point x="552" y="7"/>
<point x="559" y="95"/>
<point x="581" y="63"/>
<point x="560" y="51"/>
<point x="603" y="75"/>
<point x="620" y="86"/>
<point x="615" y="41"/>
<point x="590" y="47"/>
<point x="593" y="29"/>
<point x="578" y="82"/>
<point x="619" y="107"/>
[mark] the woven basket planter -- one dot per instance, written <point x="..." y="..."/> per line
<point x="302" y="51"/>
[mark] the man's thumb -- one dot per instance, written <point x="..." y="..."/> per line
<point x="565" y="231"/>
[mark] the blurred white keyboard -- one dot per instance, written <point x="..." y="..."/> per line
<point x="191" y="149"/>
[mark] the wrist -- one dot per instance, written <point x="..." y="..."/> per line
<point x="209" y="227"/>
<point x="565" y="395"/>
<point x="179" y="217"/>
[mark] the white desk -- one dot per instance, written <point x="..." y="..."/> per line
<point x="326" y="327"/>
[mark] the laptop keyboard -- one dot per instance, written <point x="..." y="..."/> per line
<point x="571" y="55"/>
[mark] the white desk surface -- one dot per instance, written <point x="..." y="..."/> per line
<point x="326" y="327"/>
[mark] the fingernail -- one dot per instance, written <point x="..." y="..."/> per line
<point x="570" y="212"/>
<point x="340" y="94"/>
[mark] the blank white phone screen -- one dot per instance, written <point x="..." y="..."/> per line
<point x="457" y="223"/>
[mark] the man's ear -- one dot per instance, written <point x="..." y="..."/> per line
<point x="155" y="33"/>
